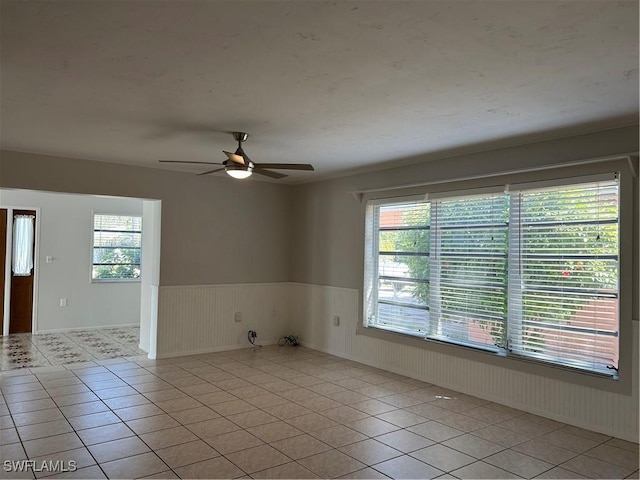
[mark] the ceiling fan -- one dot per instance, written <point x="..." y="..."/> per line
<point x="239" y="165"/>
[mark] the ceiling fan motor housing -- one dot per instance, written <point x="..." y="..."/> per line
<point x="240" y="136"/>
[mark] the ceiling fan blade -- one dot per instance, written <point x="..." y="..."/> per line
<point x="267" y="173"/>
<point x="181" y="161"/>
<point x="285" y="166"/>
<point x="234" y="157"/>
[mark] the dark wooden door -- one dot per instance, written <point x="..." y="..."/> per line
<point x="3" y="255"/>
<point x="22" y="294"/>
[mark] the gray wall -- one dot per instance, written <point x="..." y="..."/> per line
<point x="329" y="223"/>
<point x="214" y="230"/>
<point x="329" y="237"/>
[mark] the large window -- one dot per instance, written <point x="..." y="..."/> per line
<point x="117" y="246"/>
<point x="532" y="272"/>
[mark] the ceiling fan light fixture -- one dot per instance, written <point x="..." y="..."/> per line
<point x="238" y="165"/>
<point x="238" y="171"/>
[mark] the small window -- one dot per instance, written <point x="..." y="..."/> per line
<point x="117" y="247"/>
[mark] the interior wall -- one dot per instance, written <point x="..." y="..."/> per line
<point x="215" y="231"/>
<point x="219" y="316"/>
<point x="150" y="275"/>
<point x="65" y="234"/>
<point x="231" y="246"/>
<point x="328" y="238"/>
<point x="329" y="253"/>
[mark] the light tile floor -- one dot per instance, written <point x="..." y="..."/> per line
<point x="278" y="412"/>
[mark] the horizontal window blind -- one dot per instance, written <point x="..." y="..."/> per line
<point x="469" y="269"/>
<point x="117" y="247"/>
<point x="564" y="275"/>
<point x="403" y="267"/>
<point x="530" y="273"/>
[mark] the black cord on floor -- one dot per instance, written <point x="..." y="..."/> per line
<point x="251" y="336"/>
<point x="290" y="340"/>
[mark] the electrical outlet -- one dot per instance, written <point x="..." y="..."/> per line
<point x="336" y="320"/>
<point x="237" y="317"/>
<point x="63" y="302"/>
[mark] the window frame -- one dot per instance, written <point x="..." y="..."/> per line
<point x="516" y="309"/>
<point x="437" y="232"/>
<point x="628" y="194"/>
<point x="373" y="266"/>
<point x="94" y="214"/>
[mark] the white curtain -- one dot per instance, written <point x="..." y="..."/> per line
<point x="22" y="245"/>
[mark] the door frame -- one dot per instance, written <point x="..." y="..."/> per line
<point x="7" y="274"/>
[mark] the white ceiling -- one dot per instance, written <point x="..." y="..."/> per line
<point x="343" y="85"/>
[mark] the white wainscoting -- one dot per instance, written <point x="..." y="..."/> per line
<point x="314" y="306"/>
<point x="200" y="318"/>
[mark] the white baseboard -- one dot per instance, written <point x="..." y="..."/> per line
<point x="202" y="351"/>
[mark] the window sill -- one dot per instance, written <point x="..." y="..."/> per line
<point x="115" y="280"/>
<point x="497" y="359"/>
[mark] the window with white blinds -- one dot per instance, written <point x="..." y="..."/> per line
<point x="469" y="265"/>
<point x="530" y="273"/>
<point x="401" y="262"/>
<point x="564" y="275"/>
<point x="117" y="247"/>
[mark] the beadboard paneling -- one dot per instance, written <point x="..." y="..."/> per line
<point x="196" y="319"/>
<point x="314" y="306"/>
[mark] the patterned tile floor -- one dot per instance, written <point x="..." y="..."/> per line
<point x="278" y="412"/>
<point x="27" y="350"/>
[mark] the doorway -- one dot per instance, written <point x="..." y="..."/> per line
<point x="65" y="297"/>
<point x="22" y="272"/>
<point x="17" y="244"/>
<point x="3" y="255"/>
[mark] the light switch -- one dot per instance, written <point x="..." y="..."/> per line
<point x="48" y="259"/>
